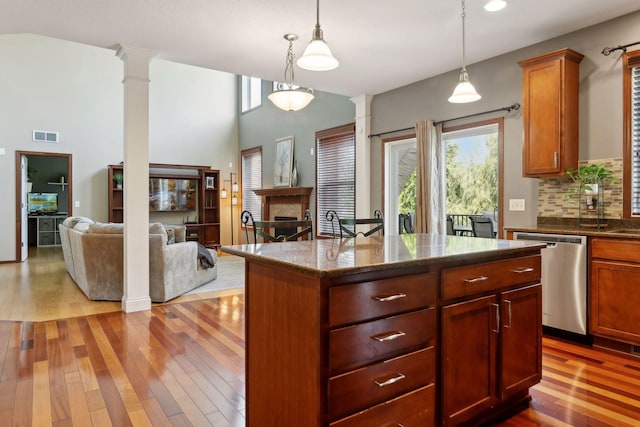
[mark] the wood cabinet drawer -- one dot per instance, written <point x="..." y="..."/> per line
<point x="479" y="278"/>
<point x="616" y="249"/>
<point x="368" y="300"/>
<point x="359" y="389"/>
<point x="412" y="409"/>
<point x="359" y="345"/>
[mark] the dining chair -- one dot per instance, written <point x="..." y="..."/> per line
<point x="481" y="226"/>
<point x="450" y="230"/>
<point x="346" y="227"/>
<point x="277" y="231"/>
<point x="404" y="224"/>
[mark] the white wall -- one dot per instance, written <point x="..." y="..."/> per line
<point x="74" y="89"/>
<point x="499" y="81"/>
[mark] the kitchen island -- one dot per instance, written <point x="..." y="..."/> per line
<point x="415" y="329"/>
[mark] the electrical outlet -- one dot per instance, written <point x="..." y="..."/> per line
<point x="516" y="204"/>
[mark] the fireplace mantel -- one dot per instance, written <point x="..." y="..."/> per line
<point x="287" y="201"/>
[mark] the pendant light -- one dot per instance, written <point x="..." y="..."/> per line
<point x="464" y="91"/>
<point x="289" y="97"/>
<point x="317" y="56"/>
<point x="495" y="5"/>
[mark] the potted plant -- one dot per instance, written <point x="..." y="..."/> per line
<point x="118" y="178"/>
<point x="591" y="179"/>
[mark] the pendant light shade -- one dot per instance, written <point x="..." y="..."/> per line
<point x="495" y="5"/>
<point x="289" y="97"/>
<point x="317" y="56"/>
<point x="464" y="92"/>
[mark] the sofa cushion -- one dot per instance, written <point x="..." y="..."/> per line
<point x="171" y="236"/>
<point x="158" y="228"/>
<point x="99" y="228"/>
<point x="71" y="221"/>
<point x="82" y="227"/>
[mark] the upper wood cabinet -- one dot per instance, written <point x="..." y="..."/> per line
<point x="550" y="104"/>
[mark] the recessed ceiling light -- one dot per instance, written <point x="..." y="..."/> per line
<point x="495" y="5"/>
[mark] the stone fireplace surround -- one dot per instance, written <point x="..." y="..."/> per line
<point x="285" y="201"/>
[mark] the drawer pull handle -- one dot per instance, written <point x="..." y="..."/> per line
<point x="523" y="270"/>
<point x="389" y="297"/>
<point x="389" y="381"/>
<point x="508" y="303"/>
<point x="497" y="329"/>
<point x="476" y="279"/>
<point x="388" y="336"/>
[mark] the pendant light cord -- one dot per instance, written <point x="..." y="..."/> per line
<point x="464" y="67"/>
<point x="288" y="70"/>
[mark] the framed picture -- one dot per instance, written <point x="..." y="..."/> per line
<point x="283" y="162"/>
<point x="210" y="183"/>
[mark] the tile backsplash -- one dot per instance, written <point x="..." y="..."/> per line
<point x="553" y="200"/>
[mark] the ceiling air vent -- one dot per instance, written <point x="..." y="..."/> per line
<point x="45" y="136"/>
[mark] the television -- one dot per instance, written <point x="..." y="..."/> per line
<point x="42" y="203"/>
<point x="172" y="194"/>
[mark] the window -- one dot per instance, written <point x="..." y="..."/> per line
<point x="252" y="179"/>
<point x="631" y="150"/>
<point x="473" y="172"/>
<point x="335" y="175"/>
<point x="251" y="93"/>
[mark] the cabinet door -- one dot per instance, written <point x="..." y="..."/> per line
<point x="469" y="341"/>
<point x="521" y="340"/>
<point x="615" y="297"/>
<point x="542" y="103"/>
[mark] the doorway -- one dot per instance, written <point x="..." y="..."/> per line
<point x="400" y="160"/>
<point x="49" y="173"/>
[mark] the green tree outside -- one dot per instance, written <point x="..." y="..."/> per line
<point x="472" y="184"/>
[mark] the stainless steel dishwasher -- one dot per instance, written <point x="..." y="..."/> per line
<point x="564" y="281"/>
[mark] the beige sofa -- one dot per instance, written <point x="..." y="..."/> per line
<point x="93" y="254"/>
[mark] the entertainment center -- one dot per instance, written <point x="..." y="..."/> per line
<point x="178" y="194"/>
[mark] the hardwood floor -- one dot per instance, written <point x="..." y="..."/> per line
<point x="183" y="364"/>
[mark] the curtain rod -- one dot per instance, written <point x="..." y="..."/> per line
<point x="508" y="109"/>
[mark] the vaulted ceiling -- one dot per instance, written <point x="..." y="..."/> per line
<point x="381" y="45"/>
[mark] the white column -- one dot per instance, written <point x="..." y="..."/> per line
<point x="136" y="178"/>
<point x="363" y="155"/>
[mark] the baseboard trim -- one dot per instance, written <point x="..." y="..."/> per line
<point x="137" y="304"/>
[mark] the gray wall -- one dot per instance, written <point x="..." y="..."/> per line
<point x="74" y="89"/>
<point x="499" y="81"/>
<point x="262" y="126"/>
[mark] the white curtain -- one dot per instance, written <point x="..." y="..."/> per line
<point x="430" y="186"/>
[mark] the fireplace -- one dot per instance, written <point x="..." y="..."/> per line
<point x="284" y="202"/>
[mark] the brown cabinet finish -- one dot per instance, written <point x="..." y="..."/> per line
<point x="491" y="346"/>
<point x="413" y="409"/>
<point x="354" y="346"/>
<point x="468" y="354"/>
<point x="489" y="276"/>
<point x="615" y="289"/>
<point x="207" y="230"/>
<point x="550" y="109"/>
<point x="359" y="389"/>
<point x="335" y="346"/>
<point x="368" y="300"/>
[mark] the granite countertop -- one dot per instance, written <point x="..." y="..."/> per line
<point x="333" y="257"/>
<point x="572" y="229"/>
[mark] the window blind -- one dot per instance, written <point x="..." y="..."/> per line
<point x="635" y="140"/>
<point x="336" y="172"/>
<point x="252" y="179"/>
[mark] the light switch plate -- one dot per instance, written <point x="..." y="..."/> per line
<point x="516" y="204"/>
<point x="76" y="204"/>
<point x="2" y="151"/>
